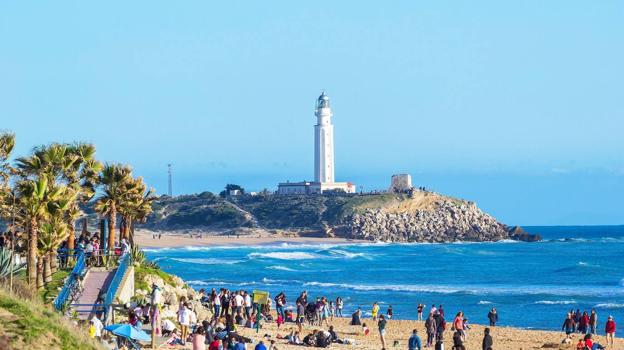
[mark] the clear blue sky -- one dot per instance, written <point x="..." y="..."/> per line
<point x="515" y="105"/>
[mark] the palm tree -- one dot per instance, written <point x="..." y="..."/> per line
<point x="82" y="177"/>
<point x="53" y="233"/>
<point x="118" y="187"/>
<point x="32" y="206"/>
<point x="7" y="142"/>
<point x="42" y="182"/>
<point x="137" y="207"/>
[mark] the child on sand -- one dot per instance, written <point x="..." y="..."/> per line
<point x="365" y="329"/>
<point x="389" y="312"/>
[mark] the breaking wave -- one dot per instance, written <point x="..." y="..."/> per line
<point x="284" y="255"/>
<point x="555" y="302"/>
<point x="208" y="261"/>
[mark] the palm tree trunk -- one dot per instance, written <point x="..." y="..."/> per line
<point x="32" y="252"/>
<point x="131" y="231"/>
<point x="47" y="269"/>
<point x="112" y="220"/>
<point x="85" y="225"/>
<point x="39" y="273"/>
<point x="122" y="228"/>
<point x="53" y="261"/>
<point x="71" y="240"/>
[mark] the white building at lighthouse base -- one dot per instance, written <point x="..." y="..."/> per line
<point x="308" y="187"/>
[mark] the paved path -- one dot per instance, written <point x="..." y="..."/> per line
<point x="94" y="281"/>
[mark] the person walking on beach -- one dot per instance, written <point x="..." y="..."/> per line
<point x="389" y="312"/>
<point x="280" y="301"/>
<point x="332" y="310"/>
<point x="430" y="327"/>
<point x="458" y="325"/>
<point x="441" y="311"/>
<point x="414" y="342"/>
<point x="300" y="316"/>
<point x="420" y="311"/>
<point x="610" y="330"/>
<point x="584" y="323"/>
<point x="382" y="330"/>
<point x="487" y="342"/>
<point x="493" y="317"/>
<point x="375" y="310"/>
<point x="339" y="306"/>
<point x="569" y="326"/>
<point x="593" y="322"/>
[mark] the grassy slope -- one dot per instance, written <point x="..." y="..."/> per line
<point x="28" y="324"/>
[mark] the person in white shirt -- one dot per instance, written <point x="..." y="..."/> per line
<point x="239" y="301"/>
<point x="184" y="318"/>
<point x="98" y="327"/>
<point x="248" y="305"/>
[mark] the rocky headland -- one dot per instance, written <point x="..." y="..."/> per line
<point x="418" y="216"/>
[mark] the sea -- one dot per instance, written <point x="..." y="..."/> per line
<point x="532" y="285"/>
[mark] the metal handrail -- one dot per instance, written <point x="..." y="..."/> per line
<point x="124" y="263"/>
<point x="70" y="284"/>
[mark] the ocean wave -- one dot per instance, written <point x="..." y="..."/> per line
<point x="477" y="289"/>
<point x="555" y="302"/>
<point x="207" y="283"/>
<point x="585" y="240"/>
<point x="484" y="302"/>
<point x="609" y="306"/>
<point x="284" y="255"/>
<point x="346" y="254"/>
<point x="280" y="268"/>
<point x="208" y="261"/>
<point x="586" y="264"/>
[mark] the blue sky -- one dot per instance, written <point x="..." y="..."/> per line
<point x="515" y="105"/>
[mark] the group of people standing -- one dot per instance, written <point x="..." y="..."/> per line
<point x="587" y="325"/>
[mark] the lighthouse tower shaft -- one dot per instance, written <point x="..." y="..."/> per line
<point x="323" y="142"/>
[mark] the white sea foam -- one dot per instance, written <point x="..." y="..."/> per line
<point x="555" y="302"/>
<point x="484" y="302"/>
<point x="280" y="268"/>
<point x="208" y="261"/>
<point x="207" y="283"/>
<point x="284" y="255"/>
<point x="609" y="306"/>
<point x="346" y="254"/>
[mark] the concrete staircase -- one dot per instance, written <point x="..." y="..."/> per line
<point x="96" y="280"/>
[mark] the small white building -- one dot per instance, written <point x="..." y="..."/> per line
<point x="307" y="187"/>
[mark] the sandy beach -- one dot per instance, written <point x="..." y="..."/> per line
<point x="145" y="239"/>
<point x="398" y="332"/>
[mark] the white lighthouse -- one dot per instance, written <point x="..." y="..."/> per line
<point x="323" y="157"/>
<point x="323" y="142"/>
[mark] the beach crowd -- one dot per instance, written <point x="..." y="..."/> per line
<point x="311" y="321"/>
<point x="232" y="310"/>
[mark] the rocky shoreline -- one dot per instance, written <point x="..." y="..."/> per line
<point x="448" y="220"/>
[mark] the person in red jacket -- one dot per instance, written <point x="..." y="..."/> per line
<point x="584" y="323"/>
<point x="610" y="330"/>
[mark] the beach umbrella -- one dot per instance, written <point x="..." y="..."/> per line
<point x="127" y="331"/>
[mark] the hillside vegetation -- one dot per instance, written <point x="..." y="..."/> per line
<point x="28" y="324"/>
